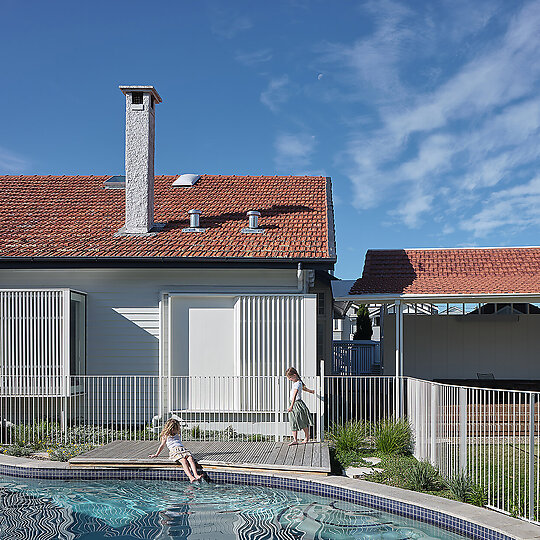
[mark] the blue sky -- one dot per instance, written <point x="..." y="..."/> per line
<point x="425" y="114"/>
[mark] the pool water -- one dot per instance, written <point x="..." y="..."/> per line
<point x="56" y="509"/>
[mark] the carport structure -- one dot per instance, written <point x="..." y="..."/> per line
<point x="484" y="323"/>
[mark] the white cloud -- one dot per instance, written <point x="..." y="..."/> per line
<point x="293" y="152"/>
<point x="227" y="24"/>
<point x="11" y="163"/>
<point x="439" y="151"/>
<point x="276" y="93"/>
<point x="253" y="58"/>
<point x="513" y="208"/>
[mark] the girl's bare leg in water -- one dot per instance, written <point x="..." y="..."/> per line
<point x="194" y="468"/>
<point x="185" y="466"/>
<point x="295" y="438"/>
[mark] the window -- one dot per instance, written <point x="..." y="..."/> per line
<point x="338" y="325"/>
<point x="376" y="321"/>
<point x="137" y="98"/>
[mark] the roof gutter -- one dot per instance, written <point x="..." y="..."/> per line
<point x="168" y="262"/>
<point x="439" y="298"/>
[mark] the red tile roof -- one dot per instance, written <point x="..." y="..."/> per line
<point x="450" y="271"/>
<point x="76" y="216"/>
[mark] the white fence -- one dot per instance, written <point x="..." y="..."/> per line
<point x="100" y="409"/>
<point x="492" y="436"/>
<point x="356" y="358"/>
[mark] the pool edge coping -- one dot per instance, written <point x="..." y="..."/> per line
<point x="489" y="519"/>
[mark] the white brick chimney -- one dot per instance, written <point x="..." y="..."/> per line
<point x="140" y="136"/>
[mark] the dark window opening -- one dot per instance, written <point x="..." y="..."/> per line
<point x="137" y="98"/>
<point x="152" y="101"/>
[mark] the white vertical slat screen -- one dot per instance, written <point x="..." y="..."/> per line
<point x="270" y="338"/>
<point x="32" y="345"/>
<point x="270" y="334"/>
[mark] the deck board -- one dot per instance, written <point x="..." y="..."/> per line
<point x="311" y="457"/>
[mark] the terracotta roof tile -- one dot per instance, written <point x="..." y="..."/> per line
<point x="451" y="271"/>
<point x="76" y="216"/>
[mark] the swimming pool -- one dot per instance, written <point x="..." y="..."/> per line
<point x="49" y="509"/>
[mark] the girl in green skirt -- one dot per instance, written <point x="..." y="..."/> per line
<point x="299" y="416"/>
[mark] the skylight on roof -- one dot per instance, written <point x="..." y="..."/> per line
<point x="115" y="182"/>
<point x="186" y="180"/>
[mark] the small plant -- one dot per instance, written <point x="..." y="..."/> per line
<point x="17" y="450"/>
<point x="395" y="470"/>
<point x="65" y="453"/>
<point x="423" y="476"/>
<point x="351" y="436"/>
<point x="350" y="440"/>
<point x="394" y="437"/>
<point x="464" y="489"/>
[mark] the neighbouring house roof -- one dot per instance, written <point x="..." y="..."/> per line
<point x="450" y="271"/>
<point x="77" y="217"/>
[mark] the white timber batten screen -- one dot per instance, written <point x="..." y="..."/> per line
<point x="271" y="334"/>
<point x="274" y="333"/>
<point x="41" y="341"/>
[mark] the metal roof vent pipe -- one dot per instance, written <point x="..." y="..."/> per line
<point x="253" y="226"/>
<point x="194" y="222"/>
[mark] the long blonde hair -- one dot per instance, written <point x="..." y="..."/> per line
<point x="292" y="371"/>
<point x="171" y="427"/>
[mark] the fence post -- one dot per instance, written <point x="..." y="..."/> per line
<point x="320" y="404"/>
<point x="532" y="406"/>
<point x="463" y="430"/>
<point x="433" y="419"/>
<point x="277" y="406"/>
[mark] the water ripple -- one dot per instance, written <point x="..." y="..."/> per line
<point x="55" y="509"/>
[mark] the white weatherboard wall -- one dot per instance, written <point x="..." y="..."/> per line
<point x="460" y="347"/>
<point x="123" y="305"/>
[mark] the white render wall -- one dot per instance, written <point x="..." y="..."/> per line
<point x="445" y="347"/>
<point x="123" y="305"/>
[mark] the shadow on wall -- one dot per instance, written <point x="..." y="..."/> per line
<point x="124" y="341"/>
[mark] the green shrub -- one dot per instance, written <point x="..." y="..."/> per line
<point x="394" y="437"/>
<point x="65" y="453"/>
<point x="36" y="434"/>
<point x="395" y="470"/>
<point x="423" y="476"/>
<point x="464" y="489"/>
<point x="17" y="450"/>
<point x="351" y="436"/>
<point x="350" y="441"/>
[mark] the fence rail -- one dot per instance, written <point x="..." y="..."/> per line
<point x="492" y="436"/>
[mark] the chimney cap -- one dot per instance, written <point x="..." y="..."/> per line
<point x="150" y="89"/>
<point x="253" y="213"/>
<point x="194" y="211"/>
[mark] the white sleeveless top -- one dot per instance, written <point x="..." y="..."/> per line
<point x="174" y="442"/>
<point x="296" y="386"/>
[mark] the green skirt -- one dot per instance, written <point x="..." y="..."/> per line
<point x="299" y="417"/>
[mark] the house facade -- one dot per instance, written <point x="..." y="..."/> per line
<point x="181" y="275"/>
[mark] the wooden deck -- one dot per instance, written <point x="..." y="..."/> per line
<point x="312" y="457"/>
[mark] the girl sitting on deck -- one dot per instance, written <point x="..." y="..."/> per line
<point x="170" y="436"/>
<point x="299" y="416"/>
